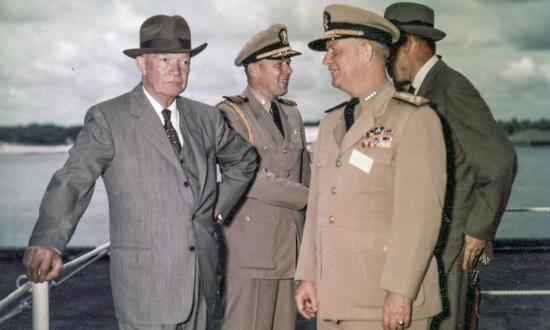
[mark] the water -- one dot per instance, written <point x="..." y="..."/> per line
<point x="24" y="177"/>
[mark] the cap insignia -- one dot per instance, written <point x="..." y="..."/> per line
<point x="284" y="37"/>
<point x="326" y="20"/>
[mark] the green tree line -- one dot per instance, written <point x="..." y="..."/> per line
<point x="50" y="134"/>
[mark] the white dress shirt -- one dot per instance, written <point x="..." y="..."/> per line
<point x="174" y="117"/>
<point x="423" y="72"/>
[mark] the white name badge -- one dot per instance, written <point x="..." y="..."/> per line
<point x="361" y="161"/>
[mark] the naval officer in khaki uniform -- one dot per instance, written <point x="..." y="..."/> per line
<point x="483" y="162"/>
<point x="263" y="237"/>
<point x="377" y="190"/>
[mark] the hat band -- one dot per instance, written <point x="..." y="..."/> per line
<point x="414" y="22"/>
<point x="345" y="32"/>
<point x="174" y="43"/>
<point x="280" y="52"/>
<point x="369" y="32"/>
<point x="268" y="49"/>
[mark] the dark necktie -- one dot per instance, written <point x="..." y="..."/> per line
<point x="348" y="112"/>
<point x="411" y="89"/>
<point x="277" y="117"/>
<point x="171" y="131"/>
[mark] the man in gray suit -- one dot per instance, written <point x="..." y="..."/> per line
<point x="481" y="161"/>
<point x="264" y="235"/>
<point x="157" y="153"/>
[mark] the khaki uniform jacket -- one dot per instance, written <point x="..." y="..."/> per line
<point x="263" y="236"/>
<point x="484" y="162"/>
<point x="369" y="233"/>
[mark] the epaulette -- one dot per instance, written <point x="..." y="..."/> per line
<point x="411" y="99"/>
<point x="237" y="99"/>
<point x="287" y="102"/>
<point x="336" y="106"/>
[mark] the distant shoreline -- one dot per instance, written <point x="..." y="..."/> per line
<point x="52" y="138"/>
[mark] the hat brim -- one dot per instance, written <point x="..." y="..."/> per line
<point x="320" y="44"/>
<point x="135" y="52"/>
<point x="424" y="31"/>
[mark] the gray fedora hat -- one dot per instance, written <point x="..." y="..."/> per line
<point x="415" y="19"/>
<point x="164" y="34"/>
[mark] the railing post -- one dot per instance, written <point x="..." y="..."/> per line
<point x="40" y="306"/>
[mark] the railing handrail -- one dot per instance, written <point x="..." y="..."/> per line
<point x="26" y="287"/>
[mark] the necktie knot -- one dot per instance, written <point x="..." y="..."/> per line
<point x="411" y="89"/>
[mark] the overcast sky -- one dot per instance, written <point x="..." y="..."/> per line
<point x="60" y="57"/>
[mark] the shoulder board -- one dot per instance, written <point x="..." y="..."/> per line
<point x="287" y="102"/>
<point x="410" y="98"/>
<point x="236" y="99"/>
<point x="336" y="106"/>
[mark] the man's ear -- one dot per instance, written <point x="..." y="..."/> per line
<point x="140" y="63"/>
<point x="252" y="69"/>
<point x="366" y="51"/>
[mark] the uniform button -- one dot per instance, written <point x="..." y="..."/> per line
<point x="191" y="248"/>
<point x="247" y="219"/>
<point x="186" y="183"/>
<point x="291" y="225"/>
<point x="285" y="150"/>
<point x="265" y="147"/>
<point x="338" y="162"/>
<point x="288" y="174"/>
<point x="331" y="219"/>
<point x="333" y="190"/>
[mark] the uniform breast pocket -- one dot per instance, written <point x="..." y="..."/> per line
<point x="381" y="175"/>
<point x="258" y="241"/>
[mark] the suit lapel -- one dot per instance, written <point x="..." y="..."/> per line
<point x="192" y="157"/>
<point x="427" y="84"/>
<point x="287" y="125"/>
<point x="264" y="119"/>
<point x="143" y="110"/>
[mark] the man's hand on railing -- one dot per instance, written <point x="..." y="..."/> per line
<point x="42" y="263"/>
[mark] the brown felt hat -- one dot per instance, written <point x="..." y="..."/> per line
<point x="415" y="19"/>
<point x="164" y="34"/>
<point x="342" y="21"/>
<point x="269" y="44"/>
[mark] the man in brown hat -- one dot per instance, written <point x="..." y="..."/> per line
<point x="157" y="155"/>
<point x="264" y="234"/>
<point x="482" y="162"/>
<point x="377" y="189"/>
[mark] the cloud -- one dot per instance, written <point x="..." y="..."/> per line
<point x="59" y="62"/>
<point x="521" y="71"/>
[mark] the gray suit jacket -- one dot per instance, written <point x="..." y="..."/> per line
<point x="482" y="161"/>
<point x="264" y="234"/>
<point x="160" y="206"/>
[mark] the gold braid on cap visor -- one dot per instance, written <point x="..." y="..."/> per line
<point x="279" y="52"/>
<point x="344" y="32"/>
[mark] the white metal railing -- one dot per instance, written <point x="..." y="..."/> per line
<point x="40" y="291"/>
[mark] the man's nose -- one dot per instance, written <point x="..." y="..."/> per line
<point x="328" y="58"/>
<point x="287" y="68"/>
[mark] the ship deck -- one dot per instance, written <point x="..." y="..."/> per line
<point x="521" y="269"/>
